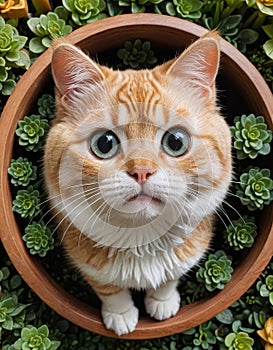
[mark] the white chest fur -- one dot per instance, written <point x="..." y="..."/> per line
<point x="141" y="272"/>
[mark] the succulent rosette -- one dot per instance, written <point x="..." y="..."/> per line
<point x="85" y="11"/>
<point x="12" y="313"/>
<point x="12" y="55"/>
<point x="46" y="106"/>
<point x="251" y="136"/>
<point x="137" y="54"/>
<point x="33" y="338"/>
<point x="241" y="233"/>
<point x="188" y="8"/>
<point x="27" y="202"/>
<point x="46" y="28"/>
<point x="216" y="271"/>
<point x="22" y="171"/>
<point x="255" y="188"/>
<point x="239" y="341"/>
<point x="30" y="131"/>
<point x="38" y="238"/>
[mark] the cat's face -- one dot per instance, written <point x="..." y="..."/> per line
<point x="137" y="153"/>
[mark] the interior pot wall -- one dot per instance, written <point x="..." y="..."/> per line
<point x="243" y="85"/>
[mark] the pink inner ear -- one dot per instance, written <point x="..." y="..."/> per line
<point x="60" y="69"/>
<point x="211" y="61"/>
<point x="197" y="66"/>
<point x="71" y="69"/>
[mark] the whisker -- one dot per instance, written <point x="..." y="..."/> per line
<point x="74" y="197"/>
<point x="80" y="213"/>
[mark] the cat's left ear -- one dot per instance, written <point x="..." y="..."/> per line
<point x="198" y="65"/>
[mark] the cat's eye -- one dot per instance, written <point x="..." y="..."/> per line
<point x="104" y="144"/>
<point x="175" y="142"/>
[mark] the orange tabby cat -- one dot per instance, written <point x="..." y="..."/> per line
<point x="136" y="164"/>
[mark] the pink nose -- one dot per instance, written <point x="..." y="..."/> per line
<point x="141" y="175"/>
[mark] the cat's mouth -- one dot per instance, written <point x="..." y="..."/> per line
<point x="143" y="197"/>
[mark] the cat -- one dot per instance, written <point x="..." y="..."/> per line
<point x="136" y="164"/>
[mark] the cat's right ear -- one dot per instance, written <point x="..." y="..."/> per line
<point x="73" y="71"/>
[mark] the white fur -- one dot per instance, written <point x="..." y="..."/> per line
<point x="119" y="313"/>
<point x="141" y="272"/>
<point x="163" y="302"/>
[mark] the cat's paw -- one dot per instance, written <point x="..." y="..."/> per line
<point x="162" y="309"/>
<point x="121" y="323"/>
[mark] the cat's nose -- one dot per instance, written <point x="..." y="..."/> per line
<point x="141" y="175"/>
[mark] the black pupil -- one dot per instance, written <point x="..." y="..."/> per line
<point x="106" y="142"/>
<point x="175" y="141"/>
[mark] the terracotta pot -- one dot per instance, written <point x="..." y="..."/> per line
<point x="245" y="92"/>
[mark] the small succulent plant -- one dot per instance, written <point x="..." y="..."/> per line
<point x="46" y="28"/>
<point x="255" y="188"/>
<point x="12" y="313"/>
<point x="268" y="45"/>
<point x="27" y="202"/>
<point x="216" y="271"/>
<point x="136" y="6"/>
<point x="239" y="341"/>
<point x="46" y="106"/>
<point x="30" y="131"/>
<point x="204" y="337"/>
<point x="33" y="338"/>
<point x="188" y="8"/>
<point x="12" y="55"/>
<point x="137" y="54"/>
<point x="85" y="11"/>
<point x="39" y="239"/>
<point x="241" y="233"/>
<point x="266" y="288"/>
<point x="22" y="171"/>
<point x="251" y="136"/>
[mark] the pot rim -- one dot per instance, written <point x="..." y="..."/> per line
<point x="29" y="267"/>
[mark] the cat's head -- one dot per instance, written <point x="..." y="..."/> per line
<point x="137" y="153"/>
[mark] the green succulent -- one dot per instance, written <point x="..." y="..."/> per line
<point x="9" y="282"/>
<point x="27" y="202"/>
<point x="266" y="289"/>
<point x="85" y="11"/>
<point x="33" y="338"/>
<point x="255" y="188"/>
<point x="262" y="64"/>
<point x="204" y="338"/>
<point x="188" y="8"/>
<point x="241" y="233"/>
<point x="216" y="271"/>
<point x="239" y="341"/>
<point x="230" y="28"/>
<point x="268" y="45"/>
<point x="12" y="313"/>
<point x="31" y="131"/>
<point x="39" y="239"/>
<point x="12" y="55"/>
<point x="46" y="106"/>
<point x="46" y="28"/>
<point x="22" y="172"/>
<point x="136" y="6"/>
<point x="137" y="54"/>
<point x="7" y="86"/>
<point x="251" y="136"/>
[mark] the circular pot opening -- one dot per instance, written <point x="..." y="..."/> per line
<point x="243" y="90"/>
